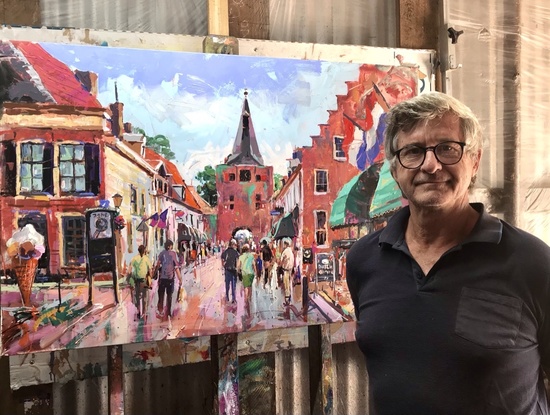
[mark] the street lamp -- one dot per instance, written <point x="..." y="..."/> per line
<point x="117" y="200"/>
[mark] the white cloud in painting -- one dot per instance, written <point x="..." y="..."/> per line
<point x="196" y="102"/>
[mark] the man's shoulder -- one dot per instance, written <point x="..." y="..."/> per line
<point x="366" y="242"/>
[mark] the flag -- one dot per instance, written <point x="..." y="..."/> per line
<point x="180" y="214"/>
<point x="367" y="146"/>
<point x="154" y="220"/>
<point x="162" y="219"/>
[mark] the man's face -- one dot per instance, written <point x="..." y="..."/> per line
<point x="434" y="185"/>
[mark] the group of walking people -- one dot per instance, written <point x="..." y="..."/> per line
<point x="263" y="265"/>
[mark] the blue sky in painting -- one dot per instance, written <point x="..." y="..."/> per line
<point x="195" y="99"/>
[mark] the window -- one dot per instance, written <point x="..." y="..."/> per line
<point x="258" y="178"/>
<point x="258" y="205"/>
<point x="36" y="168"/>
<point x="231" y="198"/>
<point x="133" y="200"/>
<point x="72" y="168"/>
<point x="244" y="175"/>
<point x="231" y="177"/>
<point x="258" y="197"/>
<point x="142" y="205"/>
<point x="73" y="235"/>
<point x="320" y="227"/>
<point x="79" y="168"/>
<point x="231" y="206"/>
<point x="339" y="153"/>
<point x="8" y="172"/>
<point x="321" y="181"/>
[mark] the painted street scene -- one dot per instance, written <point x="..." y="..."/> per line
<point x="151" y="195"/>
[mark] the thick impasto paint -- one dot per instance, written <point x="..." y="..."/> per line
<point x="100" y="152"/>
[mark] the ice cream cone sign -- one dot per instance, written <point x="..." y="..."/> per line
<point x="24" y="249"/>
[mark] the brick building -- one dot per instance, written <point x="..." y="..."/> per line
<point x="244" y="184"/>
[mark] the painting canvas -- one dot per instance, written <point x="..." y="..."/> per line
<point x="109" y="153"/>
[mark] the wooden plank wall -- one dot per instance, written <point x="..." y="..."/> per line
<point x="418" y="29"/>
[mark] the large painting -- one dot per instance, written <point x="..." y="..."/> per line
<point x="110" y="156"/>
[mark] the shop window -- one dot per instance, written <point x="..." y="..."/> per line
<point x="73" y="240"/>
<point x="232" y="177"/>
<point x="39" y="222"/>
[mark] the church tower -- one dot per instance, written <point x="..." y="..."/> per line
<point x="244" y="184"/>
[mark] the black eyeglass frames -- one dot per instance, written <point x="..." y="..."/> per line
<point x="447" y="153"/>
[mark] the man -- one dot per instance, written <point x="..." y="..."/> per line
<point x="140" y="271"/>
<point x="266" y="256"/>
<point x="452" y="304"/>
<point x="287" y="263"/>
<point x="168" y="261"/>
<point x="229" y="263"/>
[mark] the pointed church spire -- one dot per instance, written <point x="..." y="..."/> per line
<point x="245" y="147"/>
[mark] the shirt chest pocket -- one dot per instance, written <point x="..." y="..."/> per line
<point x="488" y="319"/>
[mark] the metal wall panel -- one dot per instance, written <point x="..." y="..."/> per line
<point x="159" y="16"/>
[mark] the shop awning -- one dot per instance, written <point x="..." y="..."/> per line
<point x="352" y="204"/>
<point x="283" y="228"/>
<point x="184" y="233"/>
<point x="387" y="196"/>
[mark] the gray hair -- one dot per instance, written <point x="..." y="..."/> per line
<point x="406" y="115"/>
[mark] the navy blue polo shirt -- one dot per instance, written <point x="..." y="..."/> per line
<point x="470" y="337"/>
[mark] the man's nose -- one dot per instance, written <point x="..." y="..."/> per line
<point x="431" y="163"/>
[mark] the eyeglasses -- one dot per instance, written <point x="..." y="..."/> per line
<point x="447" y="153"/>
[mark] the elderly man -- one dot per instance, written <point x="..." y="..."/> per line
<point x="452" y="304"/>
<point x="287" y="263"/>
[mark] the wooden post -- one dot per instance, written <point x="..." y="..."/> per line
<point x="224" y="347"/>
<point x="20" y="12"/>
<point x="116" y="381"/>
<point x="320" y="369"/>
<point x="418" y="24"/>
<point x="218" y="17"/>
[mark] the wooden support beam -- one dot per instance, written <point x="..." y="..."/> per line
<point x="225" y="347"/>
<point x="116" y="381"/>
<point x="320" y="369"/>
<point x="249" y="19"/>
<point x="20" y="12"/>
<point x="418" y="24"/>
<point x="218" y="17"/>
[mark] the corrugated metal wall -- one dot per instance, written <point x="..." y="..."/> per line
<point x="188" y="388"/>
<point x="351" y="22"/>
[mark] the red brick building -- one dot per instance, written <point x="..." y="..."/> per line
<point x="244" y="184"/>
<point x="52" y="137"/>
<point x="350" y="142"/>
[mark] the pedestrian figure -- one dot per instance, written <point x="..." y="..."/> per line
<point x="267" y="257"/>
<point x="247" y="266"/>
<point x="287" y="263"/>
<point x="169" y="268"/>
<point x="140" y="274"/>
<point x="229" y="261"/>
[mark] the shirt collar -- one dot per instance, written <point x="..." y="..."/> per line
<point x="487" y="229"/>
